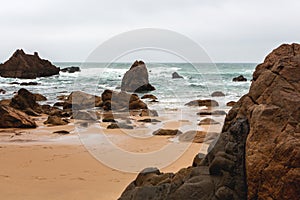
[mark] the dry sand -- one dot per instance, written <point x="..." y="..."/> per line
<point x="36" y="164"/>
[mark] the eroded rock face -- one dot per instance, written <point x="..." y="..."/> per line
<point x="136" y="79"/>
<point x="13" y="118"/>
<point x="257" y="155"/>
<point x="22" y="65"/>
<point x="273" y="144"/>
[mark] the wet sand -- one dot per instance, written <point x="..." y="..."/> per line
<point x="37" y="164"/>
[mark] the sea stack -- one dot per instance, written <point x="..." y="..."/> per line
<point x="136" y="79"/>
<point x="257" y="155"/>
<point x="21" y="65"/>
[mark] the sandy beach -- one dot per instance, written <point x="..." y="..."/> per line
<point x="37" y="164"/>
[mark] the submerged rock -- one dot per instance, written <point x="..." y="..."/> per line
<point x="22" y="65"/>
<point x="2" y="91"/>
<point x="149" y="96"/>
<point x="218" y="94"/>
<point x="239" y="78"/>
<point x="136" y="79"/>
<point x="71" y="69"/>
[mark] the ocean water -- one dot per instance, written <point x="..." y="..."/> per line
<point x="200" y="80"/>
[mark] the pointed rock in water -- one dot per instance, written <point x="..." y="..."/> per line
<point x="176" y="75"/>
<point x="136" y="79"/>
<point x="259" y="143"/>
<point x="22" y="65"/>
<point x="13" y="118"/>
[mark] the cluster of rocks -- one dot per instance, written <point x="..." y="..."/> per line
<point x="257" y="155"/>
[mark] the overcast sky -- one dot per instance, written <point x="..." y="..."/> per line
<point x="69" y="30"/>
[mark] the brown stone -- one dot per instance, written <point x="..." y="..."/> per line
<point x="13" y="118"/>
<point x="22" y="65"/>
<point x="136" y="79"/>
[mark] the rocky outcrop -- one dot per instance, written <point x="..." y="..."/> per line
<point x="136" y="79"/>
<point x="239" y="78"/>
<point x="176" y="75"/>
<point x="257" y="155"/>
<point x="121" y="101"/>
<point x="22" y="65"/>
<point x="13" y="118"/>
<point x="273" y="150"/>
<point x="71" y="69"/>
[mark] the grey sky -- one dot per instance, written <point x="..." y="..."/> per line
<point x="229" y="30"/>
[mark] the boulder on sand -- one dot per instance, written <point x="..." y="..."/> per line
<point x="22" y="65"/>
<point x="56" y="121"/>
<point x="206" y="102"/>
<point x="136" y="79"/>
<point x="167" y="132"/>
<point x="121" y="101"/>
<point x="78" y="100"/>
<point x="26" y="102"/>
<point x="13" y="118"/>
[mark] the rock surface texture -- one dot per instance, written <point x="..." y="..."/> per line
<point x="136" y="79"/>
<point x="13" y="118"/>
<point x="22" y="65"/>
<point x="257" y="155"/>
